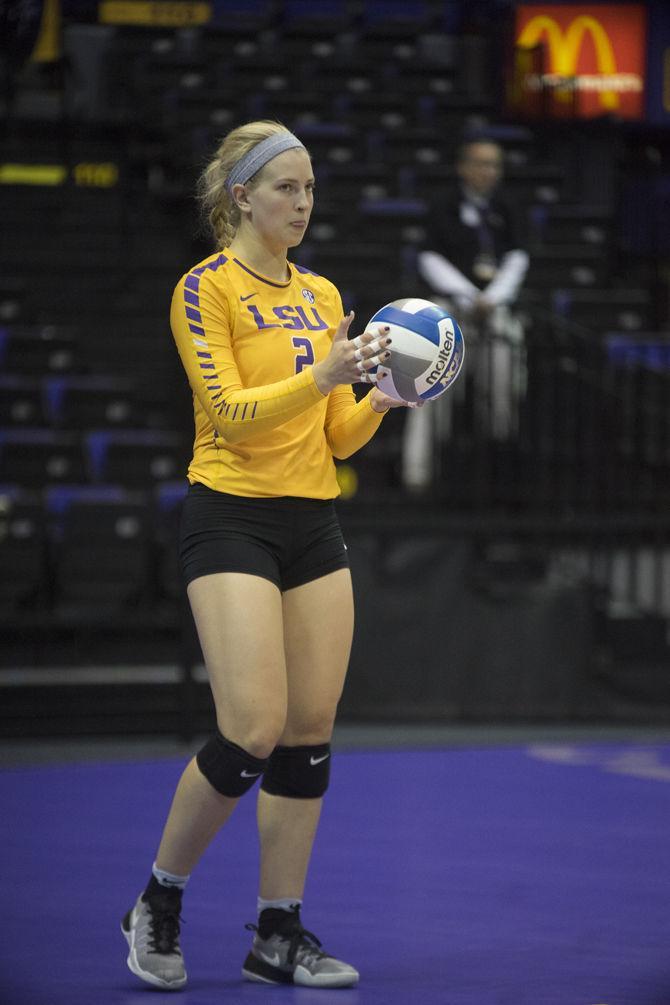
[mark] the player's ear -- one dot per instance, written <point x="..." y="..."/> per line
<point x="241" y="198"/>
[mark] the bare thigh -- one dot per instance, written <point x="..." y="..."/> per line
<point x="318" y="630"/>
<point x="239" y="621"/>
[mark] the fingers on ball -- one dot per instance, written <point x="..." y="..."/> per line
<point x="372" y="340"/>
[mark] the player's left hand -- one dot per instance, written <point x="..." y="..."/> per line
<point x="381" y="402"/>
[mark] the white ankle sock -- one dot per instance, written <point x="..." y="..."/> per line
<point x="281" y="904"/>
<point x="169" y="878"/>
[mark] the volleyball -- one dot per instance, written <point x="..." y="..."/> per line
<point x="427" y="351"/>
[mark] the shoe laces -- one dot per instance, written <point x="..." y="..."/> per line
<point x="307" y="944"/>
<point x="164" y="925"/>
<point x="299" y="940"/>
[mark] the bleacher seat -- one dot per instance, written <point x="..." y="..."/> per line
<point x="15" y="299"/>
<point x="90" y="402"/>
<point x="364" y="109"/>
<point x="23" y="555"/>
<point x="21" y="401"/>
<point x="572" y="224"/>
<point x="331" y="80"/>
<point x="169" y="497"/>
<point x="650" y="350"/>
<point x="33" y="208"/>
<point x="61" y="294"/>
<point x="400" y="147"/>
<point x="160" y="74"/>
<point x="329" y="142"/>
<point x="365" y="301"/>
<point x="137" y="458"/>
<point x="248" y="17"/>
<point x="604" y="308"/>
<point x="308" y="20"/>
<point x="426" y="179"/>
<point x="289" y="107"/>
<point x="349" y="183"/>
<point x="77" y="246"/>
<point x="401" y="221"/>
<point x="577" y="265"/>
<point x="395" y="18"/>
<point x="356" y="265"/>
<point x="375" y="471"/>
<point x="198" y="118"/>
<point x="418" y="78"/>
<point x="329" y="222"/>
<point x="33" y="458"/>
<point x="536" y="182"/>
<point x="38" y="349"/>
<point x="218" y="44"/>
<point x="131" y="349"/>
<point x="102" y="548"/>
<point x="257" y="74"/>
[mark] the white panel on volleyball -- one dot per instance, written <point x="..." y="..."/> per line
<point x="413" y="305"/>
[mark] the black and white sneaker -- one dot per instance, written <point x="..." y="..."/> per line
<point x="151" y="929"/>
<point x="291" y="955"/>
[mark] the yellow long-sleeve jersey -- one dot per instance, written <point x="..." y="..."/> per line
<point x="248" y="343"/>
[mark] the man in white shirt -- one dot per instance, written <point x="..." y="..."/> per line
<point x="474" y="263"/>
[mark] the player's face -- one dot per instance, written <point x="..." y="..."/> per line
<point x="481" y="168"/>
<point x="281" y="199"/>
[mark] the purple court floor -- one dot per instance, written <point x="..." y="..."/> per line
<point x="529" y="875"/>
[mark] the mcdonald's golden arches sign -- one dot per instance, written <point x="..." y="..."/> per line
<point x="593" y="55"/>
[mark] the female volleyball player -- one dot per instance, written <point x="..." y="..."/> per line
<point x="264" y="343"/>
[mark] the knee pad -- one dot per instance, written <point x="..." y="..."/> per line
<point x="298" y="772"/>
<point x="228" y="768"/>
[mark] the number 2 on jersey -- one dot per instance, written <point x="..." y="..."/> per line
<point x="305" y="358"/>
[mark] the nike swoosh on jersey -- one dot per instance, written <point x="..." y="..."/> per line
<point x="249" y="296"/>
<point x="317" y="760"/>
<point x="250" y="774"/>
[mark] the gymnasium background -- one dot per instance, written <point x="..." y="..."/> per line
<point x="531" y="582"/>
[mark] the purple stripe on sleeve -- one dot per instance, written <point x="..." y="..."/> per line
<point x="253" y="414"/>
<point x="206" y="366"/>
<point x="195" y="274"/>
<point x="193" y="315"/>
<point x="196" y="329"/>
<point x="204" y="355"/>
<point x="244" y="411"/>
<point x="217" y="263"/>
<point x="235" y="412"/>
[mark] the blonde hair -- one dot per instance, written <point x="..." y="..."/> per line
<point x="218" y="206"/>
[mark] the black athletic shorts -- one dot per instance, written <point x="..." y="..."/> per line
<point x="287" y="540"/>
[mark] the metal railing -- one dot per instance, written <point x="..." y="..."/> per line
<point x="579" y="423"/>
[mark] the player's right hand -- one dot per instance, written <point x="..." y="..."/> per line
<point x="350" y="360"/>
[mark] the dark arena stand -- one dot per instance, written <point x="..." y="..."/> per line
<point x="512" y="615"/>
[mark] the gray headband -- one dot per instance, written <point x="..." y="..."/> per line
<point x="258" y="157"/>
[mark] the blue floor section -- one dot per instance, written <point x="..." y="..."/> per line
<point x="511" y="876"/>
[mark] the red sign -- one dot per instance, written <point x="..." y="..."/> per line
<point x="593" y="57"/>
